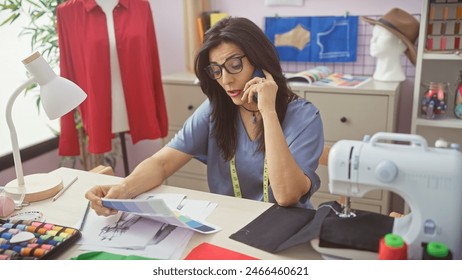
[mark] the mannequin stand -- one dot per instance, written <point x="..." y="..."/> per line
<point x="124" y="152"/>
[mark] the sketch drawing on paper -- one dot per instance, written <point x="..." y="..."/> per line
<point x="163" y="232"/>
<point x="123" y="224"/>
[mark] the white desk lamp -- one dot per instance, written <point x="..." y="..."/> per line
<point x="58" y="96"/>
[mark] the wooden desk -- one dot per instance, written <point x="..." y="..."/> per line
<point x="231" y="214"/>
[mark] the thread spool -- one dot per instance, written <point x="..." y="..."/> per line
<point x="436" y="251"/>
<point x="392" y="247"/>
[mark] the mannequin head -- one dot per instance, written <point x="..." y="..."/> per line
<point x="403" y="25"/>
<point x="387" y="49"/>
<point x="393" y="34"/>
<point x="385" y="44"/>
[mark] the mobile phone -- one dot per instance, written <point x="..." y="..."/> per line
<point x="257" y="73"/>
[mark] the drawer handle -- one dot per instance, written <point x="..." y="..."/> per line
<point x="190" y="107"/>
<point x="343" y="119"/>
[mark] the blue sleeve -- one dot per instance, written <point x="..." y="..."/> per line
<point x="193" y="137"/>
<point x="305" y="138"/>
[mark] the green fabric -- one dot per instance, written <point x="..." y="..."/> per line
<point x="107" y="256"/>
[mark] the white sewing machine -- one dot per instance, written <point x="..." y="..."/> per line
<point x="428" y="179"/>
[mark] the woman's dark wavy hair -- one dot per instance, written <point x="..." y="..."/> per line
<point x="261" y="53"/>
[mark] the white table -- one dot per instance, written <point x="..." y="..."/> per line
<point x="231" y="214"/>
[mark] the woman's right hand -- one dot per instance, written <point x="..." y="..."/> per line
<point x="95" y="194"/>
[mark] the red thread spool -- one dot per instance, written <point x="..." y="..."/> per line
<point x="392" y="247"/>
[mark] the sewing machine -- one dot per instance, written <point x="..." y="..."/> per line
<point x="428" y="179"/>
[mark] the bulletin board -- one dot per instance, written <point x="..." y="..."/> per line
<point x="314" y="39"/>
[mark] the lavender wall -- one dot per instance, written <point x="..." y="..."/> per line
<point x="168" y="22"/>
<point x="168" y="18"/>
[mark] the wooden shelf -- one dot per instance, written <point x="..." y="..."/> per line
<point x="436" y="66"/>
<point x="446" y="123"/>
<point x="442" y="56"/>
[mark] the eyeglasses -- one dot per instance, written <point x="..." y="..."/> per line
<point x="232" y="65"/>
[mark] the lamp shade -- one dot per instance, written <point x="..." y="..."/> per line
<point x="58" y="95"/>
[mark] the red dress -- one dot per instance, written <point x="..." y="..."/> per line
<point x="84" y="59"/>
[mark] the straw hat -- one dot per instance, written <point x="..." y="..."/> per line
<point x="403" y="25"/>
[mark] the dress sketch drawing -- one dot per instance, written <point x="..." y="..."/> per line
<point x="117" y="229"/>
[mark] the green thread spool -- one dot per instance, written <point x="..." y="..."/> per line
<point x="437" y="251"/>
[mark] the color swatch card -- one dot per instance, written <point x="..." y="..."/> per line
<point x="158" y="210"/>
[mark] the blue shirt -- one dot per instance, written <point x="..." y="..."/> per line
<point x="304" y="134"/>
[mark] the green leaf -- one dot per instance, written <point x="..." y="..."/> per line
<point x="10" y="19"/>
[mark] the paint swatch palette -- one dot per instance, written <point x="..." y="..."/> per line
<point x="34" y="240"/>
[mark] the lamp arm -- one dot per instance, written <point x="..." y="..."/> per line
<point x="13" y="135"/>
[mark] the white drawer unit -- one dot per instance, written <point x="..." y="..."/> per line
<point x="182" y="97"/>
<point x="352" y="113"/>
<point x="365" y="114"/>
<point x="182" y="100"/>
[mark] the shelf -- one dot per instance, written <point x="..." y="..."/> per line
<point x="436" y="65"/>
<point x="446" y="123"/>
<point x="442" y="56"/>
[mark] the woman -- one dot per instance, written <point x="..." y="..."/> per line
<point x="266" y="150"/>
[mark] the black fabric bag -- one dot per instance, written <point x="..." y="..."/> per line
<point x="363" y="232"/>
<point x="279" y="228"/>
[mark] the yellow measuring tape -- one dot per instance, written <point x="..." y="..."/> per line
<point x="235" y="180"/>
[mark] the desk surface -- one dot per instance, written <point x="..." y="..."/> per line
<point x="69" y="208"/>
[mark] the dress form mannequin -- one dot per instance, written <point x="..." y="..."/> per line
<point x="387" y="49"/>
<point x="85" y="59"/>
<point x="119" y="111"/>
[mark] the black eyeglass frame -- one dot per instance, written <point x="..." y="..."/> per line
<point x="222" y="66"/>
